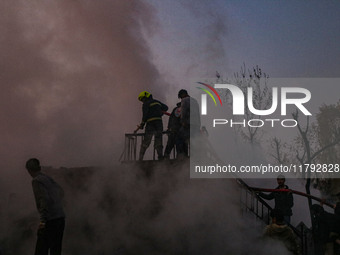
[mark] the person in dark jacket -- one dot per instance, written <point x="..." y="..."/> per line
<point x="323" y="225"/>
<point x="190" y="121"/>
<point x="336" y="227"/>
<point x="48" y="197"/>
<point x="152" y="118"/>
<point x="283" y="200"/>
<point x="174" y="125"/>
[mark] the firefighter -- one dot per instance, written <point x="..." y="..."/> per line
<point x="336" y="226"/>
<point x="323" y="223"/>
<point x="152" y="118"/>
<point x="190" y="121"/>
<point x="283" y="200"/>
<point x="279" y="230"/>
<point x="174" y="125"/>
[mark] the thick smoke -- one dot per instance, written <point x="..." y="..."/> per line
<point x="129" y="210"/>
<point x="211" y="47"/>
<point x="71" y="72"/>
<point x="70" y="75"/>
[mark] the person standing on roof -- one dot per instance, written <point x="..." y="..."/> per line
<point x="190" y="121"/>
<point x="152" y="118"/>
<point x="174" y="125"/>
<point x="283" y="200"/>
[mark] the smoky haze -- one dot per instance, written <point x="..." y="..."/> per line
<point x="70" y="75"/>
<point x="126" y="209"/>
<point x="71" y="72"/>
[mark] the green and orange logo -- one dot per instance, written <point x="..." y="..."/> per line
<point x="209" y="93"/>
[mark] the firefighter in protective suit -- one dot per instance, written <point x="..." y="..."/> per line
<point x="152" y="118"/>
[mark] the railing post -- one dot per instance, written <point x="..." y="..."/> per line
<point x="154" y="149"/>
<point x="246" y="203"/>
<point x="302" y="240"/>
<point x="127" y="148"/>
<point x="130" y="147"/>
<point x="134" y="148"/>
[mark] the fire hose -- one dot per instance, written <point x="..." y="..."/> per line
<point x="294" y="192"/>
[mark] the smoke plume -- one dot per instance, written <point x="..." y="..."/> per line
<point x="71" y="72"/>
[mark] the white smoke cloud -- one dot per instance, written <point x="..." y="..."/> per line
<point x="71" y="73"/>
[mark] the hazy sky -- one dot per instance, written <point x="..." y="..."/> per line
<point x="72" y="71"/>
<point x="70" y="76"/>
<point x="285" y="38"/>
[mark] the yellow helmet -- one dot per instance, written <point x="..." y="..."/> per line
<point x="143" y="95"/>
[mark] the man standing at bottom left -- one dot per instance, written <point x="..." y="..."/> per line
<point x="48" y="197"/>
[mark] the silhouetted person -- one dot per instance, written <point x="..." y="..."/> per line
<point x="48" y="197"/>
<point x="322" y="224"/>
<point x="278" y="230"/>
<point x="283" y="200"/>
<point x="152" y="118"/>
<point x="190" y="121"/>
<point x="174" y="125"/>
<point x="336" y="228"/>
<point x="337" y="208"/>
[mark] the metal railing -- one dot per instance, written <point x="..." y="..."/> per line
<point x="134" y="140"/>
<point x="254" y="204"/>
<point x="250" y="201"/>
<point x="132" y="145"/>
